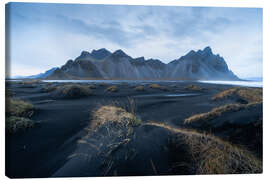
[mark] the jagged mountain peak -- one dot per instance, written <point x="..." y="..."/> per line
<point x="84" y="53"/>
<point x="138" y="61"/>
<point x="95" y="54"/>
<point x="207" y="50"/>
<point x="100" y="50"/>
<point x="120" y="53"/>
<point x="154" y="60"/>
<point x="100" y="53"/>
<point x="140" y="58"/>
<point x="191" y="53"/>
<point x="69" y="61"/>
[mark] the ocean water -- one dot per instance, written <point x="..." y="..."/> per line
<point x="238" y="83"/>
<point x="112" y="81"/>
<point x="248" y="83"/>
<point x="166" y="95"/>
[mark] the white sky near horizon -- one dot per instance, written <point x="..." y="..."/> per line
<point x="43" y="36"/>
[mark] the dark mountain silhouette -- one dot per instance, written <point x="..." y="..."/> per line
<point x="95" y="54"/>
<point x="195" y="65"/>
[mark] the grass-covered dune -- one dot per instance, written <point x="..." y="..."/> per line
<point x="30" y="83"/>
<point x="117" y="142"/>
<point x="112" y="88"/>
<point x="18" y="113"/>
<point x="211" y="116"/>
<point x="241" y="94"/>
<point x="70" y="91"/>
<point x="139" y="88"/>
<point x="15" y="124"/>
<point x="193" y="87"/>
<point x="49" y="87"/>
<point x="239" y="122"/>
<point x="159" y="87"/>
<point x="17" y="107"/>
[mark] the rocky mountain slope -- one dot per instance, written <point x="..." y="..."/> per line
<point x="102" y="64"/>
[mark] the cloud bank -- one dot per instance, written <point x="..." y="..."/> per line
<point x="42" y="36"/>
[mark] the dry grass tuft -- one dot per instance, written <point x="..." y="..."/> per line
<point x="30" y="82"/>
<point x="49" y="88"/>
<point x="216" y="112"/>
<point x="16" y="107"/>
<point x="110" y="131"/>
<point x="211" y="155"/>
<point x="73" y="91"/>
<point x="139" y="88"/>
<point x="102" y="84"/>
<point x="15" y="124"/>
<point x="215" y="156"/>
<point x="250" y="95"/>
<point x="17" y="112"/>
<point x="92" y="86"/>
<point x="225" y="94"/>
<point x="156" y="86"/>
<point x="193" y="88"/>
<point x="112" y="89"/>
<point x="9" y="93"/>
<point x="115" y="115"/>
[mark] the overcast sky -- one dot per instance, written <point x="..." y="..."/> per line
<point x="43" y="36"/>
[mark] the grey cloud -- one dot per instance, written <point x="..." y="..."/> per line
<point x="162" y="32"/>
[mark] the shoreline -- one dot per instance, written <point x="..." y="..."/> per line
<point x="244" y="83"/>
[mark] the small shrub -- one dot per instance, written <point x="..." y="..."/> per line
<point x="193" y="88"/>
<point x="16" y="107"/>
<point x="139" y="88"/>
<point x="112" y="89"/>
<point x="30" y="82"/>
<point x="156" y="86"/>
<point x="102" y="84"/>
<point x="49" y="88"/>
<point x="14" y="124"/>
<point x="113" y="114"/>
<point x="9" y="93"/>
<point x="92" y="86"/>
<point x="73" y="91"/>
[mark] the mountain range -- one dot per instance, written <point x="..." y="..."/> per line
<point x="103" y="64"/>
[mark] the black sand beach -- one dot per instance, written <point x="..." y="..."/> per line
<point x="45" y="149"/>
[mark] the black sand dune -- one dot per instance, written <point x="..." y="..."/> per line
<point x="54" y="146"/>
<point x="242" y="127"/>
